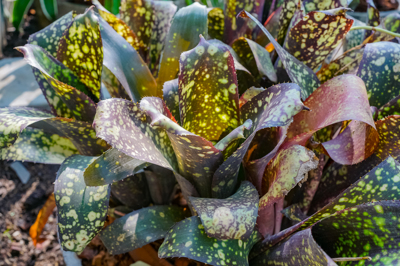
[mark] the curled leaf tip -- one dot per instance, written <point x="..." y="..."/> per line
<point x="242" y="14"/>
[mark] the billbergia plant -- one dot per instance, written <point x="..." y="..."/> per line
<point x="229" y="141"/>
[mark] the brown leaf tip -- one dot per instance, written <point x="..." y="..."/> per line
<point x="242" y="14"/>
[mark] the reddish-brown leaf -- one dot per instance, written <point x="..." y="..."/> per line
<point x="41" y="219"/>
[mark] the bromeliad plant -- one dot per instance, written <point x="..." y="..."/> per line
<point x="199" y="101"/>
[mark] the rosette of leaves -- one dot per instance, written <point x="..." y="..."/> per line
<point x="212" y="115"/>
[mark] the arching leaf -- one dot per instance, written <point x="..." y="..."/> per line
<point x="110" y="167"/>
<point x="382" y="58"/>
<point x="230" y="218"/>
<point x="249" y="94"/>
<point x="140" y="227"/>
<point x="188" y="23"/>
<point x="188" y="239"/>
<point x="81" y="210"/>
<point x="208" y="87"/>
<point x="20" y="9"/>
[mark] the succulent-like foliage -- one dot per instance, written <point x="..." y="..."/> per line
<point x="205" y="145"/>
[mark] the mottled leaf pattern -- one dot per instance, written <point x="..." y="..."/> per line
<point x="285" y="16"/>
<point x="297" y="71"/>
<point x="373" y="17"/>
<point x="61" y="87"/>
<point x="133" y="74"/>
<point x="171" y="97"/>
<point x="378" y="69"/>
<point x="285" y="171"/>
<point x="354" y="37"/>
<point x="319" y="31"/>
<point x="365" y="230"/>
<point x="110" y="167"/>
<point x="390" y="108"/>
<point x="234" y="27"/>
<point x="188" y="239"/>
<point x="81" y="210"/>
<point x="230" y="218"/>
<point x="392" y="22"/>
<point x="118" y="25"/>
<point x="313" y="5"/>
<point x="188" y="23"/>
<point x="248" y="95"/>
<point x="208" y="87"/>
<point x="298" y="249"/>
<point x="256" y="58"/>
<point x="216" y="23"/>
<point x="81" y="50"/>
<point x="347" y="101"/>
<point x="34" y="145"/>
<point x="139" y="16"/>
<point x="49" y="37"/>
<point x="139" y="228"/>
<point x="163" y="13"/>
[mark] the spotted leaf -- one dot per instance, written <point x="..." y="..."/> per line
<point x="373" y="17"/>
<point x="163" y="13"/>
<point x="81" y="210"/>
<point x="139" y="228"/>
<point x="320" y="31"/>
<point x="365" y="230"/>
<point x="216" y="23"/>
<point x="49" y="37"/>
<point x="235" y="28"/>
<point x="285" y="16"/>
<point x="313" y="5"/>
<point x="61" y="87"/>
<point x="297" y="71"/>
<point x="390" y="108"/>
<point x="81" y="50"/>
<point x="208" y="85"/>
<point x="188" y="239"/>
<point x="110" y="167"/>
<point x="298" y="249"/>
<point x="123" y="125"/>
<point x="347" y="101"/>
<point x="188" y="23"/>
<point x="392" y="22"/>
<point x="133" y="74"/>
<point x="354" y="37"/>
<point x="249" y="94"/>
<point x="230" y="218"/>
<point x="34" y="145"/>
<point x="283" y="173"/>
<point x="118" y="25"/>
<point x="256" y="58"/>
<point x="139" y="16"/>
<point x="382" y="58"/>
<point x="338" y="177"/>
<point x="171" y="97"/>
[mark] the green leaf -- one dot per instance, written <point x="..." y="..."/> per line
<point x="118" y="25"/>
<point x="183" y="35"/>
<point x="49" y="37"/>
<point x="20" y="9"/>
<point x="163" y="13"/>
<point x="34" y="145"/>
<point x="230" y="218"/>
<point x="354" y="37"/>
<point x="66" y="94"/>
<point x="316" y="35"/>
<point x="298" y="249"/>
<point x="188" y="239"/>
<point x="235" y="28"/>
<point x="313" y="5"/>
<point x="297" y="71"/>
<point x="132" y="191"/>
<point x="373" y="18"/>
<point x="365" y="230"/>
<point x="133" y="74"/>
<point x="282" y="174"/>
<point x="214" y="93"/>
<point x="110" y="167"/>
<point x="344" y="98"/>
<point x="392" y="22"/>
<point x="139" y="228"/>
<point x="382" y="58"/>
<point x="286" y="14"/>
<point x="81" y="50"/>
<point x="139" y="16"/>
<point x="124" y="126"/>
<point x="81" y="210"/>
<point x="390" y="108"/>
<point x="216" y="23"/>
<point x="197" y="157"/>
<point x="256" y="58"/>
<point x="171" y="97"/>
<point x="49" y="8"/>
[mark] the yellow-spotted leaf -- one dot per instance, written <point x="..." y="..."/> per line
<point x="81" y="210"/>
<point x="216" y="23"/>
